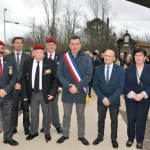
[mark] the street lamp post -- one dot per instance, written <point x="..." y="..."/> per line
<point x="7" y="22"/>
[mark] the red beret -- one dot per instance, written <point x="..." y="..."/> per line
<point x="2" y="43"/>
<point x="51" y="40"/>
<point x="37" y="46"/>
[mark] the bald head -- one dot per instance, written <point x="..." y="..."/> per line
<point x="109" y="57"/>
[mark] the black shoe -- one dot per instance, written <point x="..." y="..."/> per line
<point x="20" y="108"/>
<point x="14" y="131"/>
<point x="48" y="137"/>
<point x="129" y="143"/>
<point x="26" y="131"/>
<point x="97" y="141"/>
<point x="62" y="139"/>
<point x="59" y="130"/>
<point x="12" y="142"/>
<point x="84" y="141"/>
<point x="31" y="136"/>
<point x="139" y="145"/>
<point x="114" y="144"/>
<point x="42" y="130"/>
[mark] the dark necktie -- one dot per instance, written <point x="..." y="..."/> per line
<point x="50" y="56"/>
<point x="18" y="61"/>
<point x="36" y="81"/>
<point x="1" y="68"/>
<point x="107" y="75"/>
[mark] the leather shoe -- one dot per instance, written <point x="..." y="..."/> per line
<point x="139" y="145"/>
<point x="114" y="144"/>
<point x="14" y="131"/>
<point x="12" y="142"/>
<point x="97" y="141"/>
<point x="129" y="143"/>
<point x="26" y="131"/>
<point x="48" y="137"/>
<point x="84" y="141"/>
<point x="59" y="130"/>
<point x="31" y="136"/>
<point x="42" y="130"/>
<point x="62" y="139"/>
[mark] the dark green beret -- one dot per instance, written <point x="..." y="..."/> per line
<point x="27" y="50"/>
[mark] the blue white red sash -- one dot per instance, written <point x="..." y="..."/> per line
<point x="73" y="69"/>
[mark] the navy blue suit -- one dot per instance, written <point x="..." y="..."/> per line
<point x="112" y="91"/>
<point x="137" y="111"/>
<point x="7" y="83"/>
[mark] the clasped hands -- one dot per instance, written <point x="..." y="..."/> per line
<point x="106" y="102"/>
<point x="2" y="93"/>
<point x="17" y="86"/>
<point x="73" y="89"/>
<point x="138" y="97"/>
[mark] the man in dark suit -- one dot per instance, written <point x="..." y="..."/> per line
<point x="54" y="111"/>
<point x="108" y="83"/>
<point x="97" y="61"/>
<point x="18" y="57"/>
<point x="39" y="85"/>
<point x="7" y="82"/>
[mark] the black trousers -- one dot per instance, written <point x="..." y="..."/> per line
<point x="25" y="106"/>
<point x="137" y="113"/>
<point x="114" y="121"/>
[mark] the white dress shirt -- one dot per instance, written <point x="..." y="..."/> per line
<point x="34" y="71"/>
<point x="19" y="55"/>
<point x="110" y="70"/>
<point x="2" y="61"/>
<point x="53" y="55"/>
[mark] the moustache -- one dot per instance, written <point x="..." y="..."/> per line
<point x="1" y="52"/>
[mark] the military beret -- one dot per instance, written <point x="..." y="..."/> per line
<point x="51" y="40"/>
<point x="27" y="50"/>
<point x="2" y="43"/>
<point x="94" y="53"/>
<point x="37" y="46"/>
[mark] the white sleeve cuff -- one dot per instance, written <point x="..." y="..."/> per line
<point x="130" y="94"/>
<point x="145" y="94"/>
<point x="103" y="99"/>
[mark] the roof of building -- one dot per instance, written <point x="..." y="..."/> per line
<point x="142" y="44"/>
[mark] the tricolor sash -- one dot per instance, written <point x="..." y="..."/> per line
<point x="73" y="68"/>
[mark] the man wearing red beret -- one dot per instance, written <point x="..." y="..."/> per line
<point x="54" y="112"/>
<point x="18" y="57"/>
<point x="39" y="85"/>
<point x="7" y="82"/>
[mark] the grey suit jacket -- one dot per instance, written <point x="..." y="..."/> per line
<point x="24" y="57"/>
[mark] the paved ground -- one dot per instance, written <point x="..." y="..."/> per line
<point x="72" y="143"/>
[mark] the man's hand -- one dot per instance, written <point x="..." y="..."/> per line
<point x="17" y="86"/>
<point x="50" y="97"/>
<point x="106" y="102"/>
<point x="25" y="99"/>
<point x="73" y="89"/>
<point x="138" y="97"/>
<point x="59" y="90"/>
<point x="2" y="93"/>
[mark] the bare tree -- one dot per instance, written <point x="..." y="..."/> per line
<point x="51" y="7"/>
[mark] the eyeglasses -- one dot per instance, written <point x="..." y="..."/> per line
<point x="108" y="56"/>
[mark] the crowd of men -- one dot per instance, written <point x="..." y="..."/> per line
<point x="31" y="79"/>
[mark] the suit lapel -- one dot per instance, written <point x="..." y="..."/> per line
<point x="103" y="74"/>
<point x="44" y="68"/>
<point x="5" y="66"/>
<point x="14" y="59"/>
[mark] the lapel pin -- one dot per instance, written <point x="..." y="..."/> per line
<point x="5" y="62"/>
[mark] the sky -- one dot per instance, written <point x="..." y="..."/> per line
<point x="21" y="10"/>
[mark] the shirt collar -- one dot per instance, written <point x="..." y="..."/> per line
<point x="110" y="66"/>
<point x="35" y="61"/>
<point x="1" y="58"/>
<point x="18" y="52"/>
